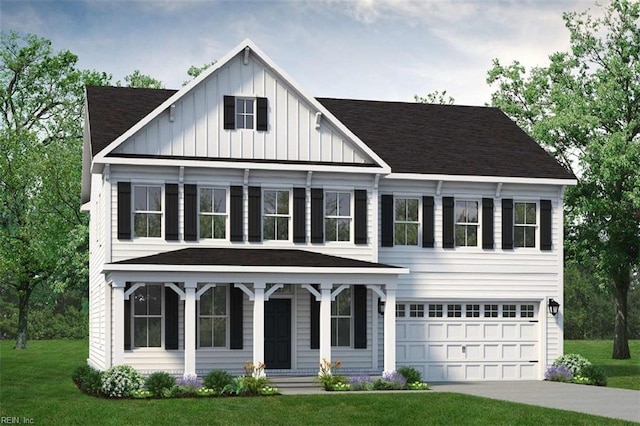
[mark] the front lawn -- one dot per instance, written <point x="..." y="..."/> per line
<point x="35" y="384"/>
<point x="621" y="373"/>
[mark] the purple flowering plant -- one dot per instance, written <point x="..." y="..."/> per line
<point x="558" y="373"/>
<point x="361" y="382"/>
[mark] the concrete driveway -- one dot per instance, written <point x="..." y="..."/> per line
<point x="600" y="401"/>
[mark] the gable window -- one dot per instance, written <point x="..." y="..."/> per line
<point x="212" y="318"/>
<point x="275" y="215"/>
<point x="524" y="225"/>
<point x="341" y="319"/>
<point x="213" y="213"/>
<point x="466" y="226"/>
<point x="147" y="316"/>
<point x="147" y="211"/>
<point x="406" y="222"/>
<point x="337" y="216"/>
<point x="245" y="115"/>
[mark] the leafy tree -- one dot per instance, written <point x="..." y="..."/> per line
<point x="435" y="97"/>
<point x="137" y="79"/>
<point x="195" y="71"/>
<point x="584" y="107"/>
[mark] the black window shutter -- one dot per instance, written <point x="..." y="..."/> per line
<point x="170" y="319"/>
<point x="315" y="321"/>
<point x="127" y="321"/>
<point x="262" y="111"/>
<point x="428" y="236"/>
<point x="229" y="112"/>
<point x="299" y="213"/>
<point x="359" y="317"/>
<point x="507" y="224"/>
<point x="360" y="216"/>
<point x="235" y="318"/>
<point x="190" y="213"/>
<point x="124" y="210"/>
<point x="487" y="223"/>
<point x="386" y="220"/>
<point x="317" y="215"/>
<point x="447" y="222"/>
<point x="545" y="225"/>
<point x="255" y="214"/>
<point x="171" y="205"/>
<point x="235" y="216"/>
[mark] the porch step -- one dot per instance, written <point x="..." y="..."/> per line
<point x="297" y="382"/>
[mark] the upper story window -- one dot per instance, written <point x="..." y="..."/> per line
<point x="466" y="226"/>
<point x="147" y="211"/>
<point x="341" y="319"/>
<point x="213" y="213"/>
<point x="524" y="225"/>
<point x="337" y="217"/>
<point x="275" y="215"/>
<point x="406" y="222"/>
<point x="147" y="316"/>
<point x="245" y="113"/>
<point x="212" y="318"/>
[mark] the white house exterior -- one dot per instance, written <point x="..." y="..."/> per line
<point x="241" y="219"/>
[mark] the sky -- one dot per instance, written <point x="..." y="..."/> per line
<point x="360" y="49"/>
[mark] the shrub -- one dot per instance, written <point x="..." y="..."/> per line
<point x="237" y="386"/>
<point x="573" y="362"/>
<point x="361" y="383"/>
<point x="217" y="380"/>
<point x="591" y="375"/>
<point x="558" y="373"/>
<point x="121" y="381"/>
<point x="159" y="384"/>
<point x="410" y="374"/>
<point x="88" y="379"/>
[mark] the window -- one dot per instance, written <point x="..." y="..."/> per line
<point x="435" y="311"/>
<point x="212" y="318"/>
<point x="400" y="310"/>
<point x="526" y="311"/>
<point x="337" y="216"/>
<point x="213" y="213"/>
<point x="244" y="113"/>
<point x="454" y="311"/>
<point x="275" y="219"/>
<point x="147" y="317"/>
<point x="147" y="211"/>
<point x="466" y="226"/>
<point x="508" y="311"/>
<point x="472" y="311"/>
<point x="491" y="311"/>
<point x="524" y="225"/>
<point x="341" y="319"/>
<point x="406" y="222"/>
<point x="416" y="310"/>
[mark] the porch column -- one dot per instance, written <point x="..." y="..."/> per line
<point x="390" y="329"/>
<point x="258" y="322"/>
<point x="117" y="324"/>
<point x="190" y="327"/>
<point x="325" y="321"/>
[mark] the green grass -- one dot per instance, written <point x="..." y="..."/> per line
<point x="621" y="373"/>
<point x="36" y="384"/>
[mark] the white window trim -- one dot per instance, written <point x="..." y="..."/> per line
<point x="536" y="226"/>
<point x="244" y="115"/>
<point x="226" y="316"/>
<point x="478" y="224"/>
<point x="225" y="214"/>
<point x="418" y="222"/>
<point x="350" y="317"/>
<point x="288" y="216"/>
<point x="161" y="316"/>
<point x="134" y="211"/>
<point x="350" y="217"/>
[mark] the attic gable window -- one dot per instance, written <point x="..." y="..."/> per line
<point x="245" y="113"/>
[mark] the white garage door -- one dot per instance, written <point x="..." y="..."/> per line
<point x="469" y="341"/>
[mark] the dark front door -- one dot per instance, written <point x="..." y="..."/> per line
<point x="277" y="334"/>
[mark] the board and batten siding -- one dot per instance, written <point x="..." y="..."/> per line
<point x="197" y="129"/>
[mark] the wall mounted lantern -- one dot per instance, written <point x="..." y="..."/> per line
<point x="380" y="307"/>
<point x="553" y="307"/>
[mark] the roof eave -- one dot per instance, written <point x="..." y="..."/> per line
<point x="483" y="179"/>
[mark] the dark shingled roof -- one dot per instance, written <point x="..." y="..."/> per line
<point x="250" y="257"/>
<point x="410" y="137"/>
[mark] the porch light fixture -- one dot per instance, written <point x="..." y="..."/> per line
<point x="380" y="307"/>
<point x="553" y="307"/>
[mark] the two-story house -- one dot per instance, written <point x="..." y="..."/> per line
<point x="239" y="218"/>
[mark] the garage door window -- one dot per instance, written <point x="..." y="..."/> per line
<point x="400" y="310"/>
<point x="491" y="311"/>
<point x="526" y="311"/>
<point x="435" y="311"/>
<point x="454" y="311"/>
<point x="472" y="311"/>
<point x="416" y="310"/>
<point x="508" y="311"/>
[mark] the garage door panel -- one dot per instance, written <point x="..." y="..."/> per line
<point x="492" y="331"/>
<point x="455" y="352"/>
<point x="436" y="331"/>
<point x="474" y="352"/>
<point x="491" y="352"/>
<point x="437" y="353"/>
<point x="510" y="331"/>
<point x="473" y="331"/>
<point x="529" y="371"/>
<point x="473" y="372"/>
<point x="529" y="331"/>
<point x="529" y="351"/>
<point x="455" y="331"/>
<point x="417" y="352"/>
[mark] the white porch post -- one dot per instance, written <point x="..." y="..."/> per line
<point x="325" y="321"/>
<point x="117" y="325"/>
<point x="190" y="327"/>
<point x="258" y="322"/>
<point x="390" y="329"/>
